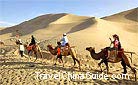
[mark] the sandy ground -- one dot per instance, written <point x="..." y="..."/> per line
<point x="15" y="70"/>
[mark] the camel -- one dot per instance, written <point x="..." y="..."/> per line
<point x="121" y="57"/>
<point x="71" y="51"/>
<point x="33" y="48"/>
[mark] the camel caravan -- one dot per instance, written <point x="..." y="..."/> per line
<point x="110" y="54"/>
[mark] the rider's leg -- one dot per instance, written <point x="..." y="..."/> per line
<point x="21" y="52"/>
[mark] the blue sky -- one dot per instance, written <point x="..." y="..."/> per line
<point x="16" y="11"/>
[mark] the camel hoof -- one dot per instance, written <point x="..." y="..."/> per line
<point x="134" y="70"/>
<point x="124" y="72"/>
<point x="101" y="71"/>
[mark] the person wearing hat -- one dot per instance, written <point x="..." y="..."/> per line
<point x="64" y="40"/>
<point x="33" y="41"/>
<point x="116" y="46"/>
<point x="116" y="42"/>
<point x="21" y="48"/>
<point x="20" y="41"/>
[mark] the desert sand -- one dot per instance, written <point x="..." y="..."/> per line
<point x="82" y="32"/>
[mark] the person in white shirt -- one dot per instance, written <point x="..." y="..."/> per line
<point x="64" y="40"/>
<point x="21" y="49"/>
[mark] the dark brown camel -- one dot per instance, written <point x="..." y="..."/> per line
<point x="121" y="57"/>
<point x="33" y="48"/>
<point x="68" y="52"/>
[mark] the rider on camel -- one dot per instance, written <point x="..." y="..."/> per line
<point x="33" y="41"/>
<point x="116" y="46"/>
<point x="64" y="40"/>
<point x="116" y="42"/>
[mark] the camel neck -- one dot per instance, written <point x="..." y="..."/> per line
<point x="94" y="55"/>
<point x="92" y="52"/>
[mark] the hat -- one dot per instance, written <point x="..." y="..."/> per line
<point x="64" y="34"/>
<point x="20" y="40"/>
<point x="115" y="35"/>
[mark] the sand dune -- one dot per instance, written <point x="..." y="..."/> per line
<point x="48" y="21"/>
<point x="130" y="16"/>
<point x="70" y="18"/>
<point x="98" y="35"/>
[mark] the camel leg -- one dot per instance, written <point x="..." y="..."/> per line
<point x="128" y="64"/>
<point x="29" y="55"/>
<point x="56" y="61"/>
<point x="53" y="58"/>
<point x="35" y="53"/>
<point x="99" y="64"/>
<point x="36" y="56"/>
<point x="73" y="54"/>
<point x="62" y="60"/>
<point x="65" y="59"/>
<point x="29" y="58"/>
<point x="102" y="61"/>
<point x="78" y="63"/>
<point x="107" y="68"/>
<point x="40" y="52"/>
<point x="60" y="57"/>
<point x="124" y="66"/>
<point x="134" y="71"/>
<point x="75" y="59"/>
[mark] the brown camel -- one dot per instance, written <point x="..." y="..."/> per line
<point x="65" y="53"/>
<point x="33" y="48"/>
<point x="121" y="57"/>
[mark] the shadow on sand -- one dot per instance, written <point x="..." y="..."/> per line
<point x="68" y="69"/>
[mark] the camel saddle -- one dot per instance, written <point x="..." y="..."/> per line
<point x="115" y="53"/>
<point x="31" y="47"/>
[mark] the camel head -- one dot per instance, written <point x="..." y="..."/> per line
<point x="90" y="49"/>
<point x="25" y="45"/>
<point x="17" y="42"/>
<point x="49" y="47"/>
